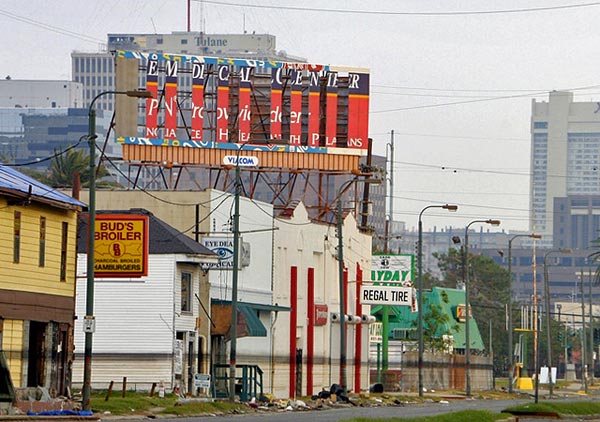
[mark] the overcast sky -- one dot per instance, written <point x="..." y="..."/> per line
<point x="455" y="87"/>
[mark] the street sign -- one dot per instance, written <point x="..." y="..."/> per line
<point x="386" y="295"/>
<point x="89" y="324"/>
<point x="461" y="313"/>
<point x="121" y="245"/>
<point x="202" y="380"/>
<point x="397" y="269"/>
<point x="242" y="161"/>
<point x="376" y="332"/>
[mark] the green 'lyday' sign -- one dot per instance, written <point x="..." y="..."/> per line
<point x="392" y="269"/>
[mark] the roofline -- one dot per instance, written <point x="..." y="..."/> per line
<point x="36" y="198"/>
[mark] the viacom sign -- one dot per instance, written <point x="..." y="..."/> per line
<point x="243" y="161"/>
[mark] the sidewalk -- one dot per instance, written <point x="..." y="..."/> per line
<point x="364" y="399"/>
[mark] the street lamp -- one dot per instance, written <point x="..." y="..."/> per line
<point x="548" y="320"/>
<point x="511" y="356"/>
<point x="467" y="313"/>
<point x="420" y="287"/>
<point x="89" y="309"/>
<point x="340" y="255"/>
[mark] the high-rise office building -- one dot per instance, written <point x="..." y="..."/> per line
<point x="565" y="159"/>
<point x="41" y="117"/>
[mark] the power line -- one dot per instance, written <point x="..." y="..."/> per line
<point x="394" y="13"/>
<point x="429" y="200"/>
<point x="505" y="97"/>
<point x="410" y="94"/>
<point x="499" y="172"/>
<point x="475" y="138"/>
<point x="51" y="28"/>
<point x="471" y="170"/>
<point x="202" y="204"/>
<point x="50" y="157"/>
<point x="415" y="88"/>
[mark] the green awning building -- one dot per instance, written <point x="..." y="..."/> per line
<point x="451" y="302"/>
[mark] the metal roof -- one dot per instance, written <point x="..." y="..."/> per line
<point x="15" y="183"/>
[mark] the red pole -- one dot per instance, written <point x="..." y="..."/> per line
<point x="293" y="322"/>
<point x="359" y="330"/>
<point x="342" y="365"/>
<point x="310" y="335"/>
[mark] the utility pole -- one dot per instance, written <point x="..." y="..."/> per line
<point x="391" y="216"/>
<point x="591" y="343"/>
<point x="385" y="320"/>
<point x="583" y="342"/>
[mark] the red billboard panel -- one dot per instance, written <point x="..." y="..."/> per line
<point x="358" y="110"/>
<point x="152" y="103"/>
<point x="296" y="107"/>
<point x="198" y="76"/>
<point x="222" y="133"/>
<point x="171" y="99"/>
<point x="244" y="115"/>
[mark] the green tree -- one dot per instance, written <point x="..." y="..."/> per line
<point x="37" y="175"/>
<point x="436" y="327"/>
<point x="63" y="166"/>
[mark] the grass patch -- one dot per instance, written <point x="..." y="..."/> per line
<point x="132" y="403"/>
<point x="565" y="408"/>
<point x="140" y="403"/>
<point x="465" y="415"/>
<point x="198" y="408"/>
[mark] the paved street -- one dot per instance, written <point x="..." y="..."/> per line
<point x="333" y="415"/>
<point x="408" y="410"/>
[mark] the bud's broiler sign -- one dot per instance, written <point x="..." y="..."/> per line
<point x="121" y="245"/>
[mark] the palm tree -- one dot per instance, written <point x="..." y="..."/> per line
<point x="63" y="166"/>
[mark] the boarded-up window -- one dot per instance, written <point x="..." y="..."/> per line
<point x="42" y="256"/>
<point x="17" y="237"/>
<point x="63" y="251"/>
<point x="186" y="292"/>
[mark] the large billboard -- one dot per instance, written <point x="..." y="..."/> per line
<point x="219" y="103"/>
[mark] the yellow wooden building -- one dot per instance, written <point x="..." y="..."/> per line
<point x="38" y="238"/>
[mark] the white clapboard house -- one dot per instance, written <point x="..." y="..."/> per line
<point x="148" y="329"/>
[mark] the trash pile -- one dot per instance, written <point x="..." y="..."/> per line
<point x="36" y="401"/>
<point x="333" y="397"/>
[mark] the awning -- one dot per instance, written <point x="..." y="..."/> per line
<point x="395" y="312"/>
<point x="249" y="323"/>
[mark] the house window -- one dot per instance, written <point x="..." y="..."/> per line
<point x="42" y="256"/>
<point x="17" y="237"/>
<point x="186" y="292"/>
<point x="63" y="251"/>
